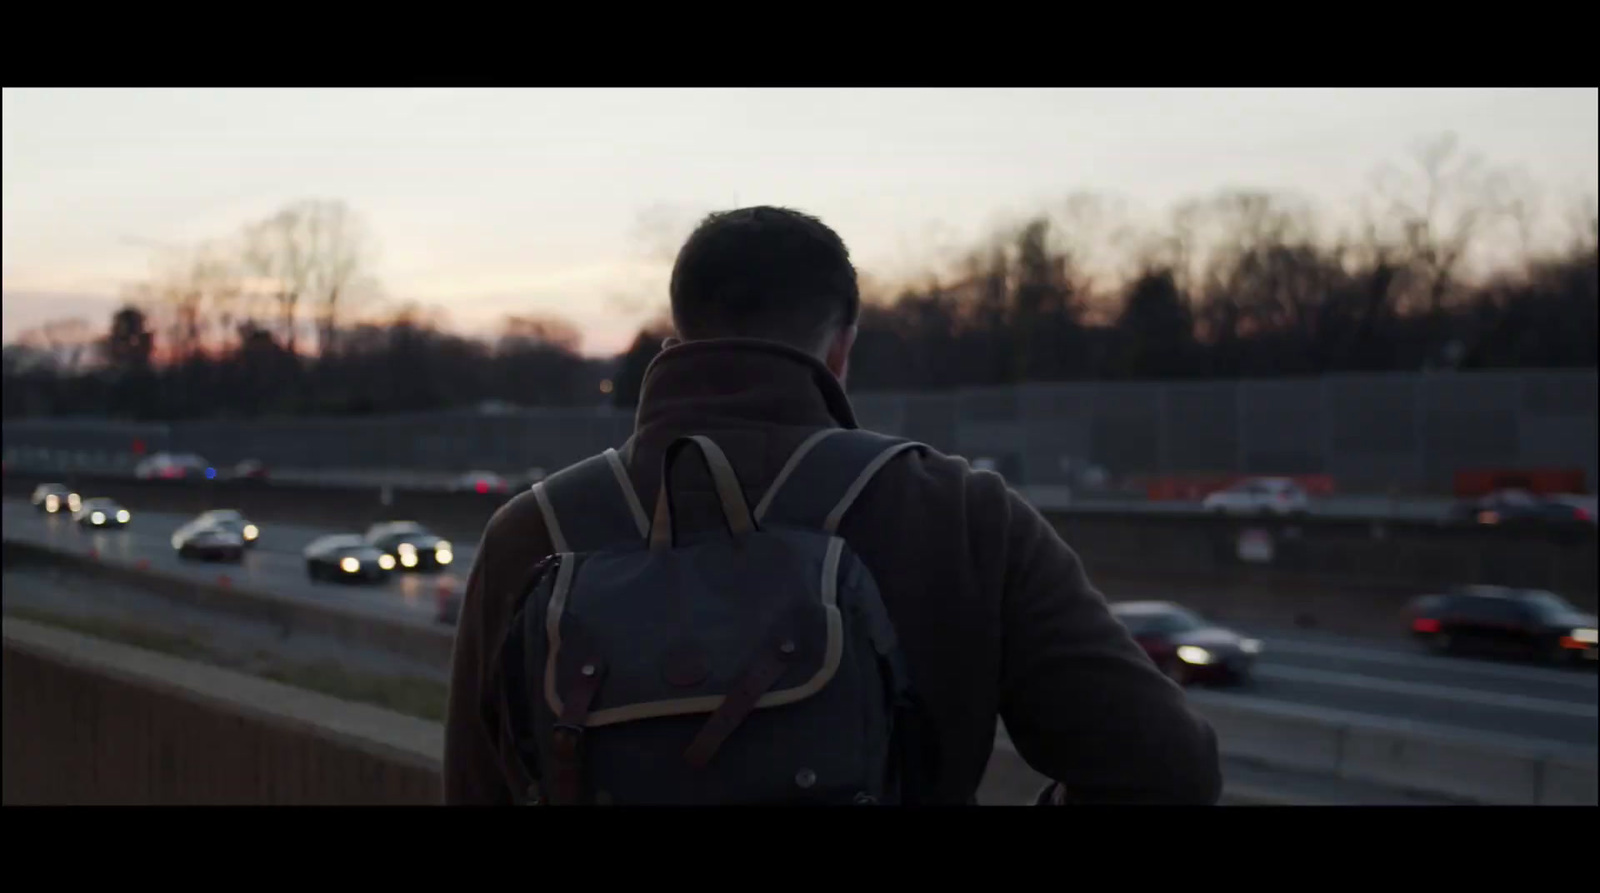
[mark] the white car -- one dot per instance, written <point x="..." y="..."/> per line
<point x="1260" y="496"/>
<point x="173" y="466"/>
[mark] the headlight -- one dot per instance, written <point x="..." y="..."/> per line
<point x="443" y="556"/>
<point x="97" y="518"/>
<point x="349" y="565"/>
<point x="443" y="546"/>
<point x="1250" y="646"/>
<point x="73" y="502"/>
<point x="1586" y="636"/>
<point x="250" y="532"/>
<point x="1191" y="654"/>
<point x="52" y="503"/>
<point x="123" y="516"/>
<point x="409" y="559"/>
<point x="386" y="562"/>
<point x="406" y="549"/>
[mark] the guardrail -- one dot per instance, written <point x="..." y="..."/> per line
<point x="1409" y="756"/>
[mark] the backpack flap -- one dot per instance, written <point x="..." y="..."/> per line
<point x="692" y="649"/>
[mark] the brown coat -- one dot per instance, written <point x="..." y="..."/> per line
<point x="996" y="616"/>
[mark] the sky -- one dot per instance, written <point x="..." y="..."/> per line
<point x="570" y="202"/>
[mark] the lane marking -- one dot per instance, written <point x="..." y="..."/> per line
<point x="1427" y="690"/>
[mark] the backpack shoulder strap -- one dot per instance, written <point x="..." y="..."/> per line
<point x="825" y="474"/>
<point x="591" y="505"/>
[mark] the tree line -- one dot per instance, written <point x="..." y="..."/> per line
<point x="1451" y="264"/>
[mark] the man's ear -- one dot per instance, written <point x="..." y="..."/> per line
<point x="838" y="356"/>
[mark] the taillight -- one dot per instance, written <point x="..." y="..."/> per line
<point x="1425" y="625"/>
<point x="1582" y="514"/>
<point x="483" y="486"/>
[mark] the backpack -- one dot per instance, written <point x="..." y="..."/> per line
<point x="749" y="665"/>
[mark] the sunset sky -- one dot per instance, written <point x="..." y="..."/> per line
<point x="489" y="202"/>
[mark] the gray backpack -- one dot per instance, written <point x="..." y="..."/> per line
<point x="749" y="665"/>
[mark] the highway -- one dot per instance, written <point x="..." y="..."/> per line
<point x="1045" y="497"/>
<point x="1382" y="679"/>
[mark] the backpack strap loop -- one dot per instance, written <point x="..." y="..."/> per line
<point x="826" y="474"/>
<point x="735" y="511"/>
<point x="591" y="505"/>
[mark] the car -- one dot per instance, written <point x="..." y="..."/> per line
<point x="1186" y="646"/>
<point x="1259" y="496"/>
<point x="232" y="519"/>
<point x="1514" y="506"/>
<point x="102" y="512"/>
<point x="174" y="466"/>
<point x="414" y="546"/>
<point x="479" y="482"/>
<point x="248" y="470"/>
<point x="347" y="558"/>
<point x="1527" y="623"/>
<point x="208" y="541"/>
<point x="52" y="498"/>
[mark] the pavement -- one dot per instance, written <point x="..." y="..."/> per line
<point x="1385" y="679"/>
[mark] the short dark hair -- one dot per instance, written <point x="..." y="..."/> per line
<point x="764" y="272"/>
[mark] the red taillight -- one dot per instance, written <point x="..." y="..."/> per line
<point x="1425" y="625"/>
<point x="1581" y="514"/>
<point x="483" y="486"/>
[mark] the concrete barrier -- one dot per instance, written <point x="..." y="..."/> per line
<point x="1273" y="737"/>
<point x="99" y="723"/>
<point x="1570" y="782"/>
<point x="89" y="722"/>
<point x="1471" y="767"/>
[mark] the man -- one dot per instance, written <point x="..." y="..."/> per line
<point x="995" y="615"/>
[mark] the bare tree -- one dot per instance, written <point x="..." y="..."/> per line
<point x="1583" y="221"/>
<point x="66" y="341"/>
<point x="279" y="253"/>
<point x="1440" y="209"/>
<point x="340" y="248"/>
<point x="531" y="332"/>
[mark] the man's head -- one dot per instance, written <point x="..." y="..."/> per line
<point x="769" y="273"/>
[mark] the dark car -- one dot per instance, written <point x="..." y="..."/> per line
<point x="232" y="519"/>
<point x="53" y="498"/>
<point x="414" y="546"/>
<point x="347" y="558"/>
<point x="207" y="541"/>
<point x="1187" y="647"/>
<point x="101" y="513"/>
<point x="1526" y="623"/>
<point x="1522" y="507"/>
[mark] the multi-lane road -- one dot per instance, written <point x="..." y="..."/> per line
<point x="1382" y="679"/>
